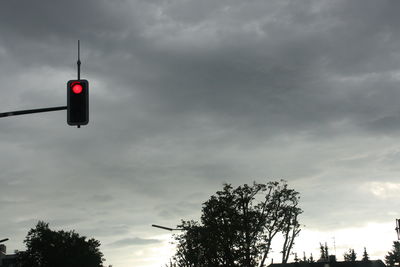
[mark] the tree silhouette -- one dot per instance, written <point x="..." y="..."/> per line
<point x="291" y="229"/>
<point x="48" y="248"/>
<point x="365" y="255"/>
<point x="238" y="225"/>
<point x="393" y="256"/>
<point x="350" y="255"/>
<point x="304" y="257"/>
<point x="324" y="253"/>
<point x="311" y="259"/>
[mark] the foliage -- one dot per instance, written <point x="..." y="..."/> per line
<point x="170" y="264"/>
<point x="311" y="259"/>
<point x="324" y="253"/>
<point x="296" y="259"/>
<point x="365" y="255"/>
<point x="393" y="256"/>
<point x="304" y="257"/>
<point x="48" y="248"/>
<point x="291" y="229"/>
<point x="350" y="255"/>
<point x="238" y="225"/>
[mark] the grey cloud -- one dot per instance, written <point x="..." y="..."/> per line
<point x="134" y="242"/>
<point x="180" y="209"/>
<point x="102" y="198"/>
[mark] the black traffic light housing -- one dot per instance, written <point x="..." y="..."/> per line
<point x="77" y="102"/>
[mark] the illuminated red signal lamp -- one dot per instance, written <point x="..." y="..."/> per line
<point x="77" y="87"/>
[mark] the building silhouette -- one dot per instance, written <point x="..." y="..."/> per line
<point x="9" y="260"/>
<point x="332" y="263"/>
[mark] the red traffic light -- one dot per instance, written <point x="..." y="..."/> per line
<point x="78" y="102"/>
<point x="77" y="88"/>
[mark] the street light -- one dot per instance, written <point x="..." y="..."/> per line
<point x="165" y="228"/>
<point x="176" y="229"/>
<point x="4" y="240"/>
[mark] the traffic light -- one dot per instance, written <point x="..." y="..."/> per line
<point x="78" y="102"/>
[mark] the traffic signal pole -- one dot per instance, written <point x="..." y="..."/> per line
<point x="78" y="63"/>
<point x="29" y="111"/>
<point x="77" y="101"/>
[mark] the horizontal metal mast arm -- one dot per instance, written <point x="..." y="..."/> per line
<point x="166" y="228"/>
<point x="29" y="111"/>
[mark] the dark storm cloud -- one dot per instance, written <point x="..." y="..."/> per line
<point x="273" y="80"/>
<point x="248" y="78"/>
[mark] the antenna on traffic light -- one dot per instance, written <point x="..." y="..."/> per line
<point x="79" y="61"/>
<point x="78" y="98"/>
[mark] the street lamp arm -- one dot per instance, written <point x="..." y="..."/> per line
<point x="165" y="228"/>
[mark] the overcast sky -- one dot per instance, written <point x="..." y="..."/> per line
<point x="186" y="95"/>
